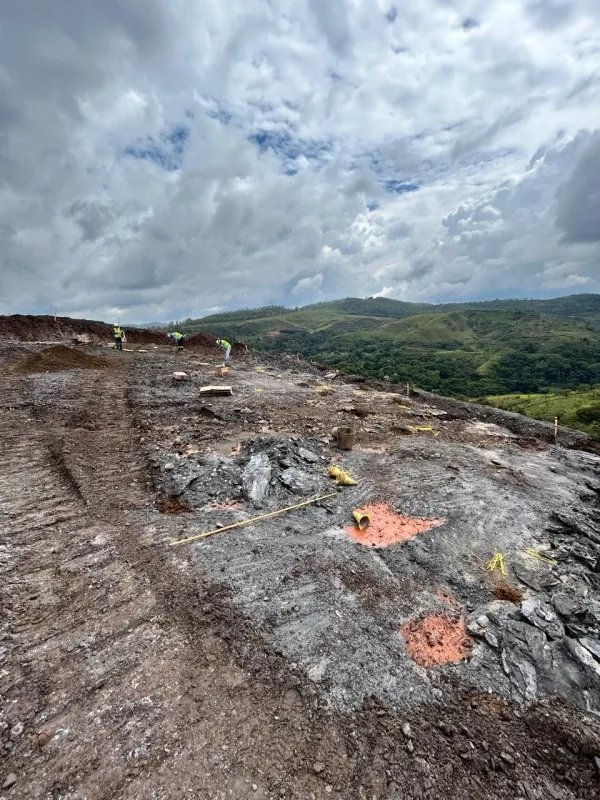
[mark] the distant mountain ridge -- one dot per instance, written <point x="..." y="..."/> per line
<point x="463" y="349"/>
<point x="577" y="305"/>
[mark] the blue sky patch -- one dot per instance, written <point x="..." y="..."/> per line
<point x="288" y="148"/>
<point x="399" y="187"/>
<point x="166" y="150"/>
<point x="222" y="116"/>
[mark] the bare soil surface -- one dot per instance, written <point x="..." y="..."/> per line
<point x="25" y="328"/>
<point x="57" y="358"/>
<point x="269" y="661"/>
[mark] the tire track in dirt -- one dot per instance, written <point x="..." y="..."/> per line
<point x="89" y="662"/>
<point x="35" y="504"/>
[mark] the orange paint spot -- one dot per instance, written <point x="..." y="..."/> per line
<point x="230" y="504"/>
<point x="436" y="639"/>
<point x="387" y="527"/>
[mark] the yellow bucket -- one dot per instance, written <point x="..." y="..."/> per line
<point x="362" y="520"/>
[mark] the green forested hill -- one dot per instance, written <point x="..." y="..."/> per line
<point x="465" y="350"/>
<point x="584" y="307"/>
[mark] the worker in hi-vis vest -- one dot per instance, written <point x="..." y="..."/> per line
<point x="118" y="336"/>
<point x="224" y="345"/>
<point x="177" y="339"/>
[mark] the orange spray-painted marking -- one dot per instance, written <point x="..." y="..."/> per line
<point x="436" y="639"/>
<point x="386" y="527"/>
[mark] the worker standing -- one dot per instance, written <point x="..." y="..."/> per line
<point x="118" y="336"/>
<point x="177" y="339"/>
<point x="224" y="345"/>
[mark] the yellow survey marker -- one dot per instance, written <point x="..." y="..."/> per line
<point x="423" y="429"/>
<point x="533" y="553"/>
<point x="362" y="520"/>
<point x="497" y="562"/>
<point x="341" y="477"/>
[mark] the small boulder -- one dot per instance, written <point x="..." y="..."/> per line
<point x="306" y="455"/>
<point x="9" y="781"/>
<point x="256" y="478"/>
<point x="298" y="481"/>
<point x="543" y="616"/>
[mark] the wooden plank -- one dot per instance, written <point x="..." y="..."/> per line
<point x="216" y="390"/>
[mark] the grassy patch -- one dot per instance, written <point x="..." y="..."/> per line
<point x="575" y="409"/>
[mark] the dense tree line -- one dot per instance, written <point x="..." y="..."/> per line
<point x="452" y="372"/>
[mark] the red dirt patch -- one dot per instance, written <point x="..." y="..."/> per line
<point x="504" y="590"/>
<point x="387" y="527"/>
<point x="436" y="639"/>
<point x="172" y="505"/>
<point x="60" y="357"/>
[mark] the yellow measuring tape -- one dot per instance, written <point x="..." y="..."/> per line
<point x="254" y="519"/>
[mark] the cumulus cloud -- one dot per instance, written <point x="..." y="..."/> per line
<point x="307" y="286"/>
<point x="167" y="157"/>
<point x="579" y="197"/>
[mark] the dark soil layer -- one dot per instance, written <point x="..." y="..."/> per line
<point x="60" y="357"/>
<point x="208" y="344"/>
<point x="27" y="328"/>
<point x="172" y="505"/>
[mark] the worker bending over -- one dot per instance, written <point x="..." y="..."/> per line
<point x="177" y="339"/>
<point x="224" y="345"/>
<point x="118" y="336"/>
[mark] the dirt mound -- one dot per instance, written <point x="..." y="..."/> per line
<point x="26" y="328"/>
<point x="204" y="343"/>
<point x="60" y="357"/>
<point x="208" y="344"/>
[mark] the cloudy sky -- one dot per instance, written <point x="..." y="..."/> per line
<point x="169" y="158"/>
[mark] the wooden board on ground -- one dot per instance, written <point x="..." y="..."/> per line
<point x="216" y="390"/>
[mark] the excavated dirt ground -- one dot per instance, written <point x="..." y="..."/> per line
<point x="25" y="328"/>
<point x="276" y="660"/>
<point x="57" y="358"/>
